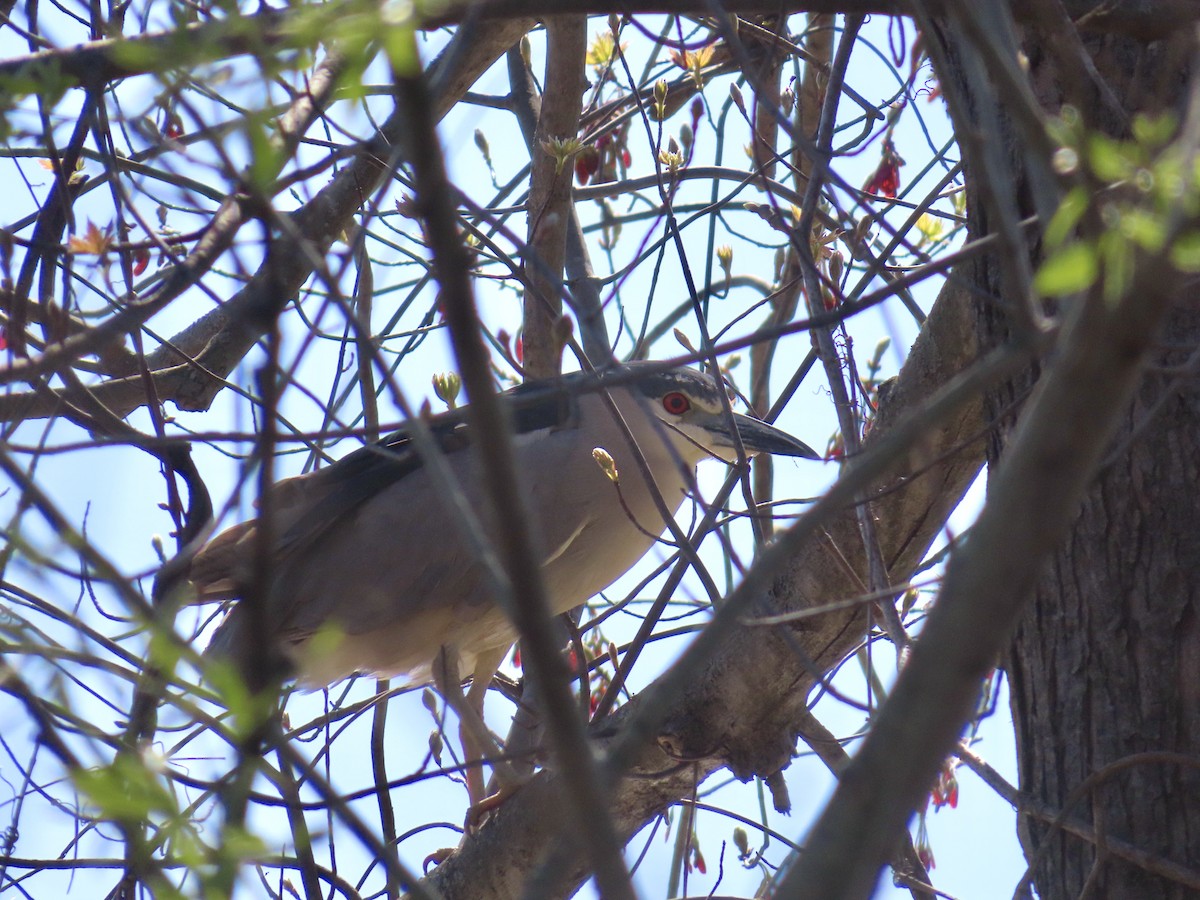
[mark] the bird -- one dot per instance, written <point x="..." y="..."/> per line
<point x="370" y="573"/>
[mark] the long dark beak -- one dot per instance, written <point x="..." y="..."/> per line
<point x="759" y="437"/>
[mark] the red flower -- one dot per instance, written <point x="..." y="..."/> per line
<point x="945" y="789"/>
<point x="925" y="855"/>
<point x="612" y="157"/>
<point x="886" y="178"/>
<point x="587" y="164"/>
<point x="173" y="128"/>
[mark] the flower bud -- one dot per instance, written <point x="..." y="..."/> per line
<point x="735" y="92"/>
<point x="447" y="385"/>
<point x="607" y="464"/>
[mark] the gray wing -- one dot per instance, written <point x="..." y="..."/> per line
<point x="366" y="543"/>
<point x="305" y="508"/>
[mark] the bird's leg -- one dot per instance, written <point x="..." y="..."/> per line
<point x="505" y="776"/>
<point x="477" y="741"/>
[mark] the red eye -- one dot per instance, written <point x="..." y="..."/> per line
<point x="676" y="403"/>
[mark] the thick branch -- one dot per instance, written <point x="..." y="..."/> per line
<point x="550" y="193"/>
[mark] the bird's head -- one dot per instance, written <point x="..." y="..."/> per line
<point x="689" y="405"/>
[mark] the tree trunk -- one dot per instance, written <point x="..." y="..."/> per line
<point x="1106" y="662"/>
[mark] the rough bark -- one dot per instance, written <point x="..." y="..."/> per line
<point x="550" y="196"/>
<point x="1106" y="663"/>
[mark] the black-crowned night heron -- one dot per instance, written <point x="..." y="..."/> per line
<point x="371" y="573"/>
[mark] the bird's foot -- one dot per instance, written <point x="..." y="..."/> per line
<point x="485" y="806"/>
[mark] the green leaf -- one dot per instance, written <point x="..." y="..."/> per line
<point x="1109" y="159"/>
<point x="1144" y="228"/>
<point x="238" y="843"/>
<point x="1170" y="185"/>
<point x="1072" y="268"/>
<point x="126" y="790"/>
<point x="1153" y="131"/>
<point x="1064" y="129"/>
<point x="164" y="653"/>
<point x="181" y="842"/>
<point x="1185" y="252"/>
<point x="400" y="43"/>
<point x="1066" y="217"/>
<point x="247" y="711"/>
<point x="265" y="159"/>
